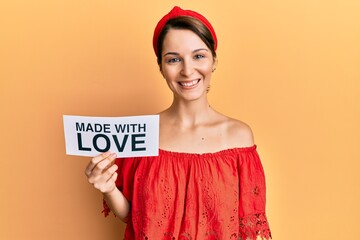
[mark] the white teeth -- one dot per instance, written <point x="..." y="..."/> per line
<point x="189" y="84"/>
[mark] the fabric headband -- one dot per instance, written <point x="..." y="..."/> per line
<point x="177" y="12"/>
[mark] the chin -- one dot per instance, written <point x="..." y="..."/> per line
<point x="192" y="96"/>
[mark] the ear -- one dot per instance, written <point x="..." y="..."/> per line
<point x="214" y="64"/>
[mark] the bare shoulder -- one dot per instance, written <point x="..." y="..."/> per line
<point x="239" y="134"/>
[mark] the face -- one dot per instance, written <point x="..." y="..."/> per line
<point x="187" y="64"/>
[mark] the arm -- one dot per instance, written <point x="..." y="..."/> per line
<point x="117" y="202"/>
<point x="101" y="173"/>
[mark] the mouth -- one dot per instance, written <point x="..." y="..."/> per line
<point x="189" y="84"/>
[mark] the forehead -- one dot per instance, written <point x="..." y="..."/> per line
<point x="181" y="40"/>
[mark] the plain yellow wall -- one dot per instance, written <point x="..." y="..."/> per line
<point x="291" y="69"/>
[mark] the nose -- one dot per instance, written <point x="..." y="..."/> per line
<point x="187" y="68"/>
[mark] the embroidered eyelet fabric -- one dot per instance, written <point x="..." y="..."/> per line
<point x="181" y="196"/>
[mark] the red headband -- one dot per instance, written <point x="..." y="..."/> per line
<point x="177" y="12"/>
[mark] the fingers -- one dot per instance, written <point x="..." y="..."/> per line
<point x="107" y="182"/>
<point x="101" y="172"/>
<point x="108" y="157"/>
<point x="109" y="186"/>
<point x="109" y="173"/>
<point x="113" y="177"/>
<point x="94" y="161"/>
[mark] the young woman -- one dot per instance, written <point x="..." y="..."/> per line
<point x="208" y="181"/>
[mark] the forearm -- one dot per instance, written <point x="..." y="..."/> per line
<point x="117" y="203"/>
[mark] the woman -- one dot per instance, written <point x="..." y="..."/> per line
<point x="207" y="182"/>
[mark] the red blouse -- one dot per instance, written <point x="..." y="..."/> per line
<point x="181" y="196"/>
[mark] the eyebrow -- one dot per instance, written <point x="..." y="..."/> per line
<point x="177" y="54"/>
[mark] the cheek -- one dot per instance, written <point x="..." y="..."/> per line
<point x="169" y="73"/>
<point x="206" y="66"/>
<point x="206" y="70"/>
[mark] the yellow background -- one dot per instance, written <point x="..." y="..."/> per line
<point x="291" y="69"/>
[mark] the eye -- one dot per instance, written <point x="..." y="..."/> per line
<point x="199" y="56"/>
<point x="173" y="60"/>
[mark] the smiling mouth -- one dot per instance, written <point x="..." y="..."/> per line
<point x="189" y="84"/>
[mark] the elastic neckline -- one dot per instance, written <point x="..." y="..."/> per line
<point x="220" y="152"/>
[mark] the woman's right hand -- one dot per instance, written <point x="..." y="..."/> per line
<point x="101" y="172"/>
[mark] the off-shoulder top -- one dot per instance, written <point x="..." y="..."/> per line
<point x="208" y="196"/>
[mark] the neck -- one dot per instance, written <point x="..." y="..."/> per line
<point x="189" y="113"/>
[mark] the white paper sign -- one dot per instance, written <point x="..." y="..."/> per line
<point x="133" y="136"/>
